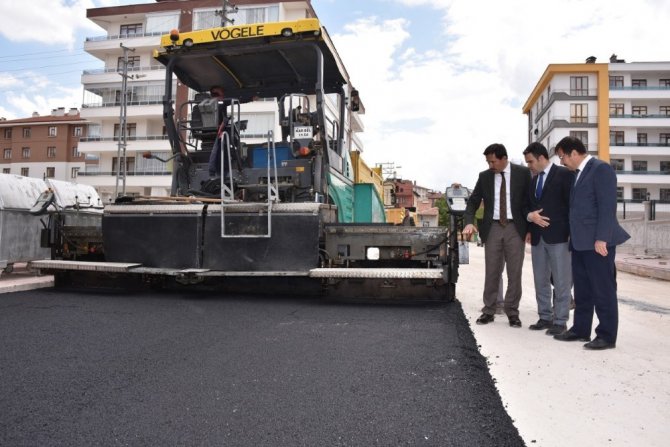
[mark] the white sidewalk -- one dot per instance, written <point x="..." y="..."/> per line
<point x="558" y="393"/>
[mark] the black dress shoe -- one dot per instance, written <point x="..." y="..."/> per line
<point x="514" y="321"/>
<point x="571" y="336"/>
<point x="556" y="329"/>
<point x="598" y="344"/>
<point x="541" y="324"/>
<point x="485" y="319"/>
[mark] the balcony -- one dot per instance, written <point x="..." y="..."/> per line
<point x="643" y="177"/>
<point x="148" y="107"/>
<point x="646" y="121"/>
<point x="629" y="92"/>
<point x="112" y="75"/>
<point x="101" y="46"/>
<point x="136" y="144"/>
<point x="658" y="148"/>
<point x="133" y="179"/>
<point x="567" y="95"/>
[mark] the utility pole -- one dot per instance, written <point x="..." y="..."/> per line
<point x="389" y="169"/>
<point x="226" y="8"/>
<point x="121" y="148"/>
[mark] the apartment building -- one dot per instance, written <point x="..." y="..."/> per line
<point x="620" y="110"/>
<point x="139" y="27"/>
<point x="43" y="146"/>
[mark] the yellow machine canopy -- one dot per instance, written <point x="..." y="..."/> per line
<point x="256" y="60"/>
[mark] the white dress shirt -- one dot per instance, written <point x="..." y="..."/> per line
<point x="496" y="201"/>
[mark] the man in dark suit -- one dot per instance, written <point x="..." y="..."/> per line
<point x="504" y="190"/>
<point x="549" y="197"/>
<point x="594" y="235"/>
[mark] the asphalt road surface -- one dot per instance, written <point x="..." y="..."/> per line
<point x="171" y="369"/>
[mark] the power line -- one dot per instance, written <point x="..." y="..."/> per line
<point x="25" y="59"/>
<point x="41" y="52"/>
<point x="43" y="66"/>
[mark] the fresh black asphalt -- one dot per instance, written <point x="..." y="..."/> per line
<point x="92" y="369"/>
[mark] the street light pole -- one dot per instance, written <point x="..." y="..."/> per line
<point x="226" y="8"/>
<point x="121" y="148"/>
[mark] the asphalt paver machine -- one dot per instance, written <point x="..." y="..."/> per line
<point x="263" y="209"/>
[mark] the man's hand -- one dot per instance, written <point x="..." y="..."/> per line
<point x="468" y="231"/>
<point x="601" y="248"/>
<point x="538" y="219"/>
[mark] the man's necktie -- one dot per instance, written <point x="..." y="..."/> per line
<point x="503" y="201"/>
<point x="540" y="183"/>
<point x="576" y="175"/>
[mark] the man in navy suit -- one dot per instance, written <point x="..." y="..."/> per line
<point x="504" y="190"/>
<point x="549" y="197"/>
<point x="594" y="235"/>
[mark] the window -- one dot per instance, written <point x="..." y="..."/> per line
<point x="131" y="131"/>
<point x="6" y="170"/>
<point x="582" y="135"/>
<point x="639" y="110"/>
<point x="664" y="83"/>
<point x="664" y="194"/>
<point x="208" y="19"/>
<point x="75" y="152"/>
<point x="616" y="138"/>
<point x="131" y="30"/>
<point x="639" y="83"/>
<point x="52" y="131"/>
<point x="133" y="63"/>
<point x="619" y="192"/>
<point x="664" y="139"/>
<point x="616" y="82"/>
<point x="77" y="131"/>
<point x="639" y="165"/>
<point x="664" y="110"/>
<point x="639" y="193"/>
<point x="51" y="172"/>
<point x="26" y="132"/>
<point x="579" y="113"/>
<point x="8" y="134"/>
<point x="665" y="166"/>
<point x="25" y="152"/>
<point x="7" y="154"/>
<point x="162" y="22"/>
<point x="74" y="172"/>
<point x="579" y="85"/>
<point x="641" y="139"/>
<point x="25" y="171"/>
<point x="617" y="164"/>
<point x="51" y="152"/>
<point x="130" y="164"/>
<point x="616" y="109"/>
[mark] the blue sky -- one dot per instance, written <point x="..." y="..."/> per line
<point x="440" y="79"/>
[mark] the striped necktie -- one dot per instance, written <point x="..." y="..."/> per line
<point x="503" y="201"/>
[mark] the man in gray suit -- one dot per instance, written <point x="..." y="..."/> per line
<point x="594" y="235"/>
<point x="504" y="190"/>
<point x="549" y="197"/>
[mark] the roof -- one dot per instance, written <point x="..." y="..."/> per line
<point x="255" y="59"/>
<point x="47" y="119"/>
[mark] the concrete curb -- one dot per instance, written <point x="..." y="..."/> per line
<point x="650" y="268"/>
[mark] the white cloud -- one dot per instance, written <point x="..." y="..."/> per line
<point x="38" y="94"/>
<point x="45" y="21"/>
<point x="470" y="92"/>
<point x="452" y="114"/>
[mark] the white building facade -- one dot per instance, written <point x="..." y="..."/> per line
<point x="621" y="111"/>
<point x="139" y="27"/>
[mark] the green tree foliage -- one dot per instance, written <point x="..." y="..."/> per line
<point x="443" y="215"/>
